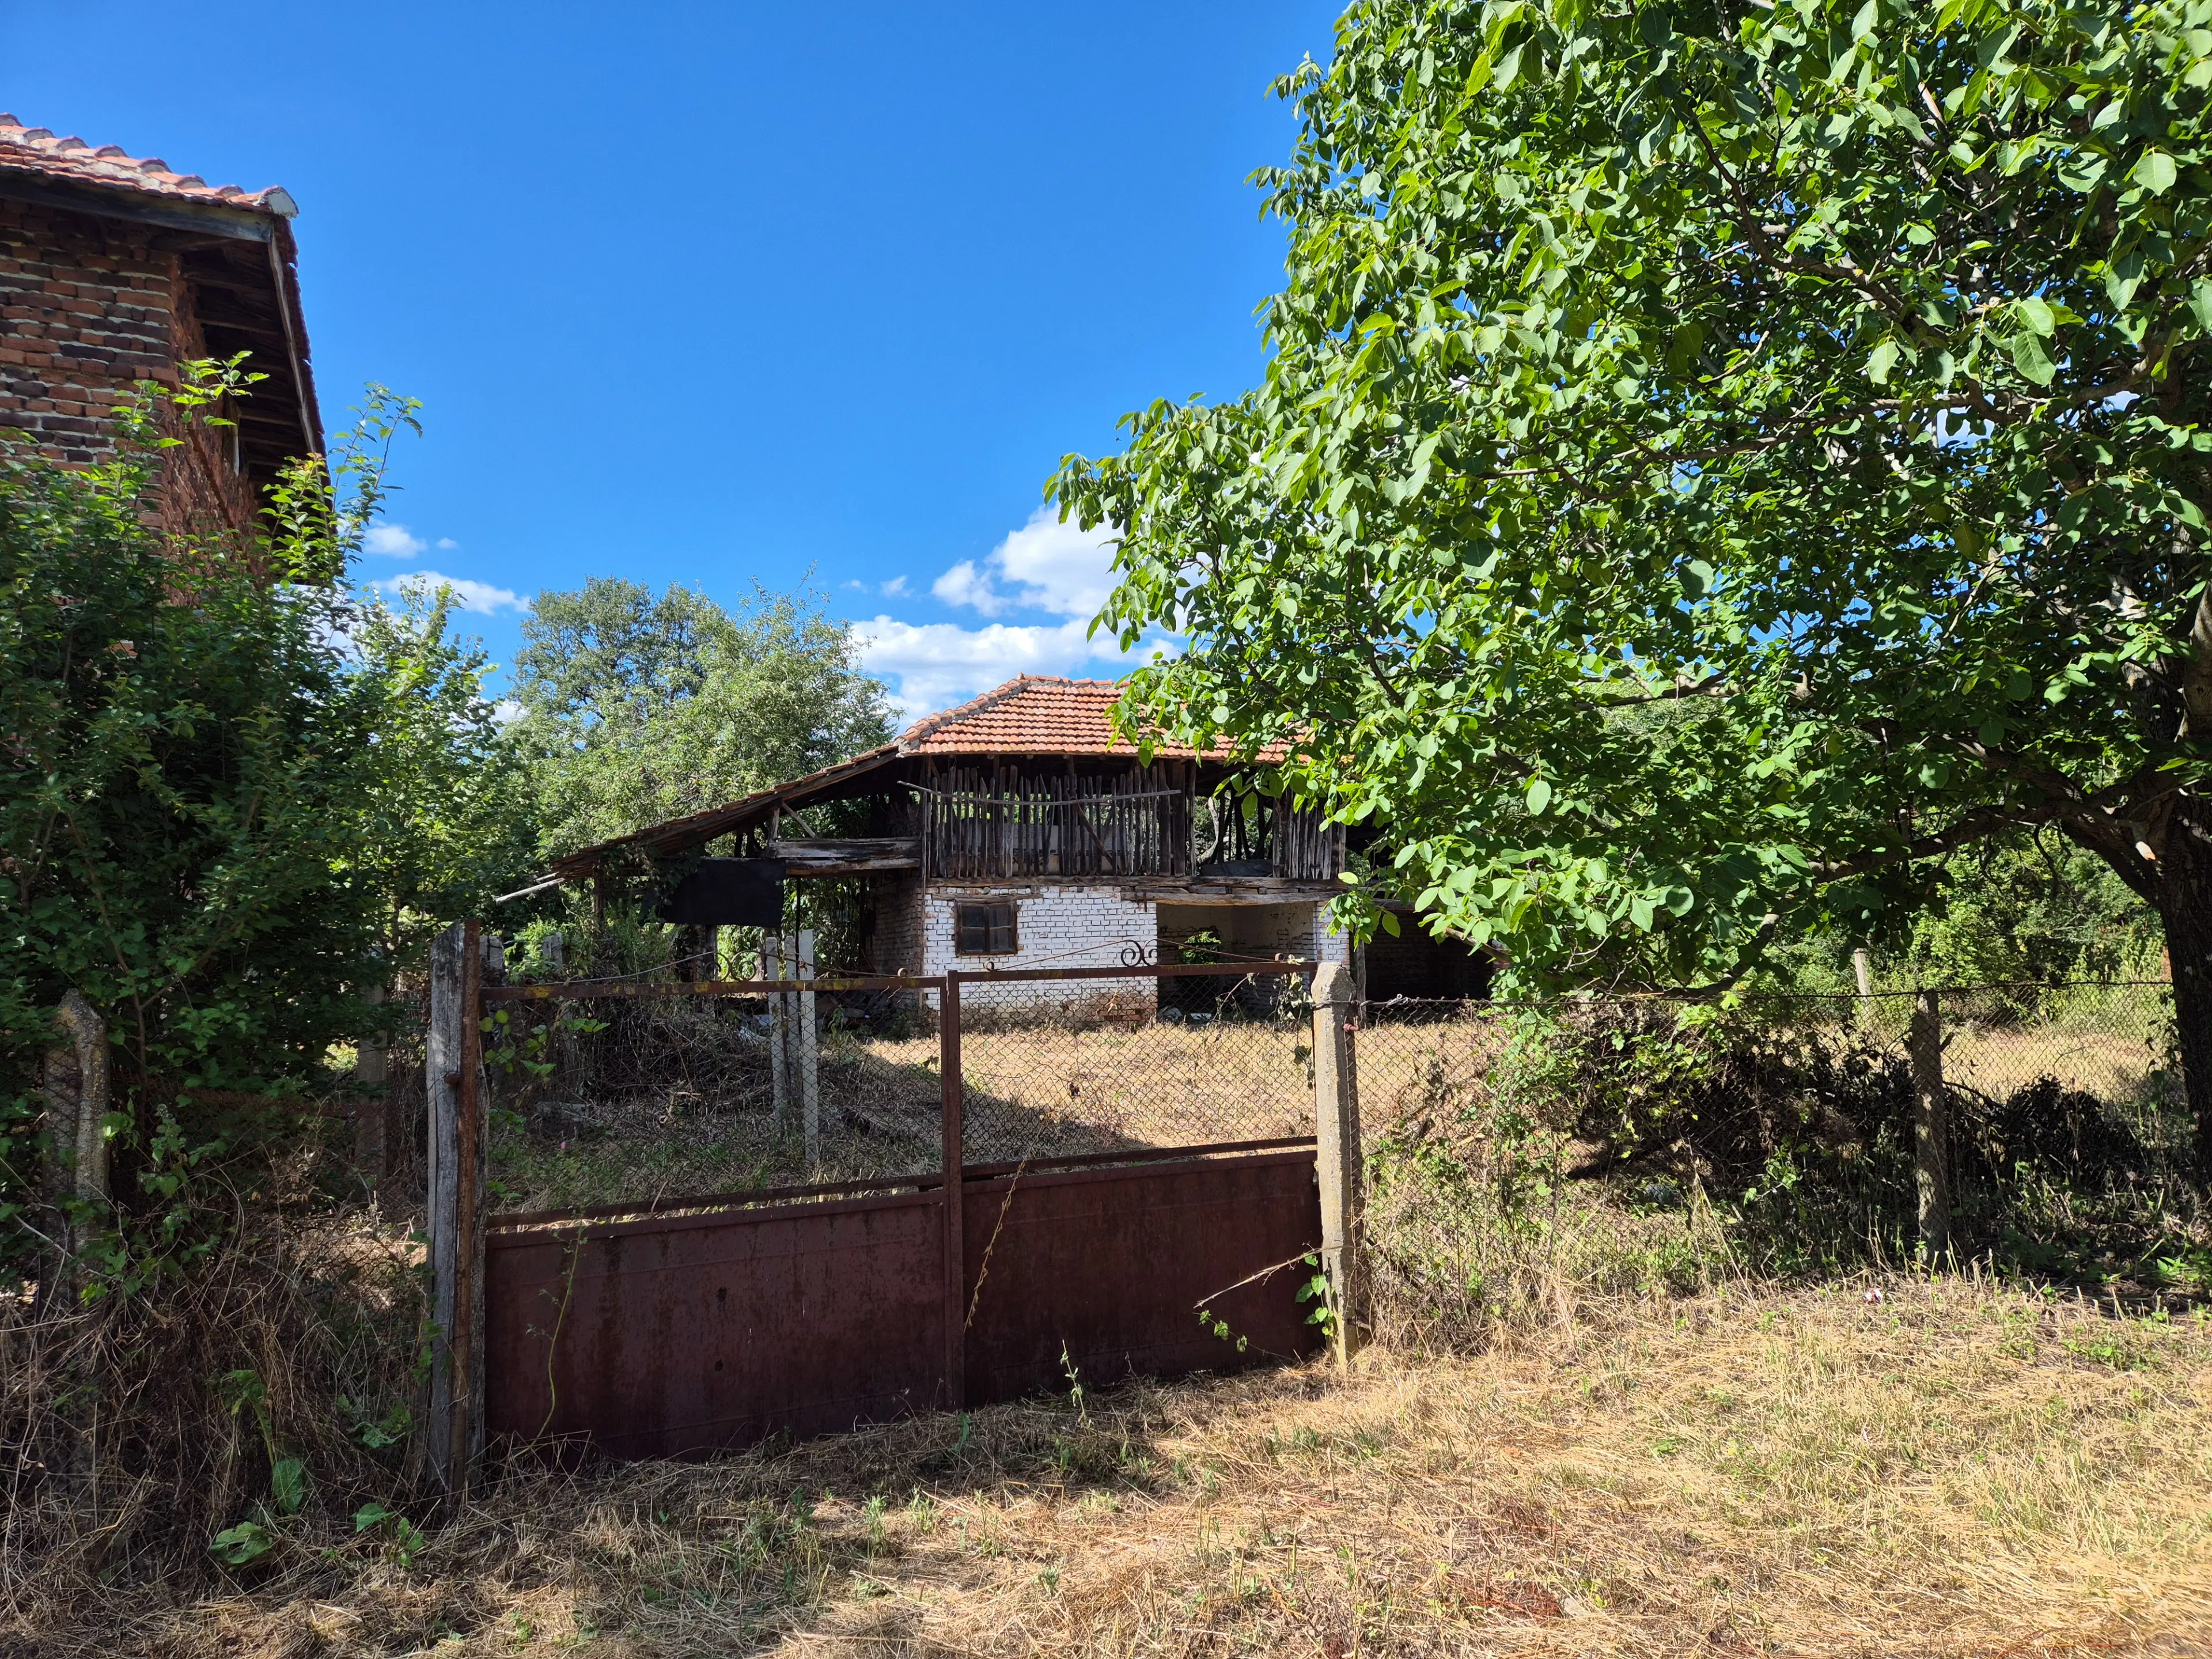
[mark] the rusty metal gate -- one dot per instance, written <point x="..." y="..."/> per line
<point x="685" y="1325"/>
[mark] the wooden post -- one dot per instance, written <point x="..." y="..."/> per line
<point x="454" y="1430"/>
<point x="77" y="1092"/>
<point x="956" y="1263"/>
<point x="1337" y="1159"/>
<point x="1931" y="1129"/>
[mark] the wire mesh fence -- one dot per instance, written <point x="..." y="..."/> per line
<point x="1515" y="1153"/>
<point x="1057" y="1068"/>
<point x="654" y="1092"/>
<point x="1522" y="1154"/>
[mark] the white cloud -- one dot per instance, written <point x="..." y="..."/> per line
<point x="1048" y="566"/>
<point x="394" y="541"/>
<point x="895" y="588"/>
<point x="1061" y="567"/>
<point x="480" y="597"/>
<point x="447" y="543"/>
<point x="964" y="585"/>
<point x="938" y="665"/>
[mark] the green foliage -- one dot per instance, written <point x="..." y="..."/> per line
<point x="234" y="794"/>
<point x="447" y="820"/>
<point x="185" y="738"/>
<point x="2023" y="911"/>
<point x="1712" y="462"/>
<point x="638" y="709"/>
<point x="403" y="1539"/>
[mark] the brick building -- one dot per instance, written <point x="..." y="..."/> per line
<point x="115" y="270"/>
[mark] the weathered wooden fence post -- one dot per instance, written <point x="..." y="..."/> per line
<point x="454" y="1432"/>
<point x="1931" y="1127"/>
<point x="76" y="1084"/>
<point x="955" y="1254"/>
<point x="1337" y="1160"/>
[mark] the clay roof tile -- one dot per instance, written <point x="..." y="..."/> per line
<point x="35" y="150"/>
<point x="1034" y="714"/>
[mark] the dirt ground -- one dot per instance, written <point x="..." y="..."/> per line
<point x="1892" y="1469"/>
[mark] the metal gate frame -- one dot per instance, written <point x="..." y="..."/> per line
<point x="886" y="1273"/>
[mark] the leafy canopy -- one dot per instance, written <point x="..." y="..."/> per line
<point x="639" y="708"/>
<point x="1713" y="458"/>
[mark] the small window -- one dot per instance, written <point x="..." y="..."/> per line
<point x="985" y="930"/>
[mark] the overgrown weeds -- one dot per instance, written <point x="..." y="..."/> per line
<point x="244" y="1418"/>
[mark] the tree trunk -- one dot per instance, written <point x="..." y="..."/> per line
<point x="1931" y="1129"/>
<point x="2170" y="867"/>
<point x="2184" y="906"/>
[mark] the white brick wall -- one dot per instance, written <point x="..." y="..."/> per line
<point x="1066" y="926"/>
<point x="1056" y="926"/>
<point x="896" y="947"/>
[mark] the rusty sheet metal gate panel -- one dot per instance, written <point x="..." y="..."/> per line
<point x="1074" y="1219"/>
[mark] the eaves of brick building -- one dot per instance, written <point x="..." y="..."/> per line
<point x="114" y="270"/>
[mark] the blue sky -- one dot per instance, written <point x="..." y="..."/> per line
<point x="711" y="293"/>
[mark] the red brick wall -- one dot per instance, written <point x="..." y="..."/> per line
<point x="89" y="307"/>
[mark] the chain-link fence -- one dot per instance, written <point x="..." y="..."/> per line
<point x="1519" y="1156"/>
<point x="653" y="1092"/>
<point x="1087" y="1068"/>
<point x="1522" y="1156"/>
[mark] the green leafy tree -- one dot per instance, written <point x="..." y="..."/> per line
<point x="1715" y="460"/>
<point x="613" y="650"/>
<point x="447" y="819"/>
<point x="211" y="750"/>
<point x="642" y="709"/>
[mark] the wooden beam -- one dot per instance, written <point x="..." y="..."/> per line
<point x="850" y="855"/>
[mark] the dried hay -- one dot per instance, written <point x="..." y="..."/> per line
<point x="1946" y="1470"/>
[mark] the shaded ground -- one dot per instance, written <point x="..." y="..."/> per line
<point x="1953" y="1471"/>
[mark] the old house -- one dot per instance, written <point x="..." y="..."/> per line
<point x="115" y="270"/>
<point x="1017" y="831"/>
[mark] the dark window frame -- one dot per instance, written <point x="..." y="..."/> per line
<point x="979" y="926"/>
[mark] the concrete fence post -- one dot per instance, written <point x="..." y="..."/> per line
<point x="1337" y="1161"/>
<point x="454" y="1430"/>
<point x="779" y="1027"/>
<point x="807" y="1052"/>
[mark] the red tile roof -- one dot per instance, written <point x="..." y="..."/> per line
<point x="1033" y="715"/>
<point x="35" y="150"/>
<point x="1030" y="714"/>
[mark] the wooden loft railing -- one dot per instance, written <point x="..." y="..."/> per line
<point x="1065" y="827"/>
<point x="1098" y="829"/>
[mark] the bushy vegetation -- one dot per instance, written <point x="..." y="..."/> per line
<point x="1523" y="1160"/>
<point x="238" y="795"/>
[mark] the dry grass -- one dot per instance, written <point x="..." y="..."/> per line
<point x="1951" y="1470"/>
<point x="1096" y="1076"/>
<point x="1035" y="1090"/>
